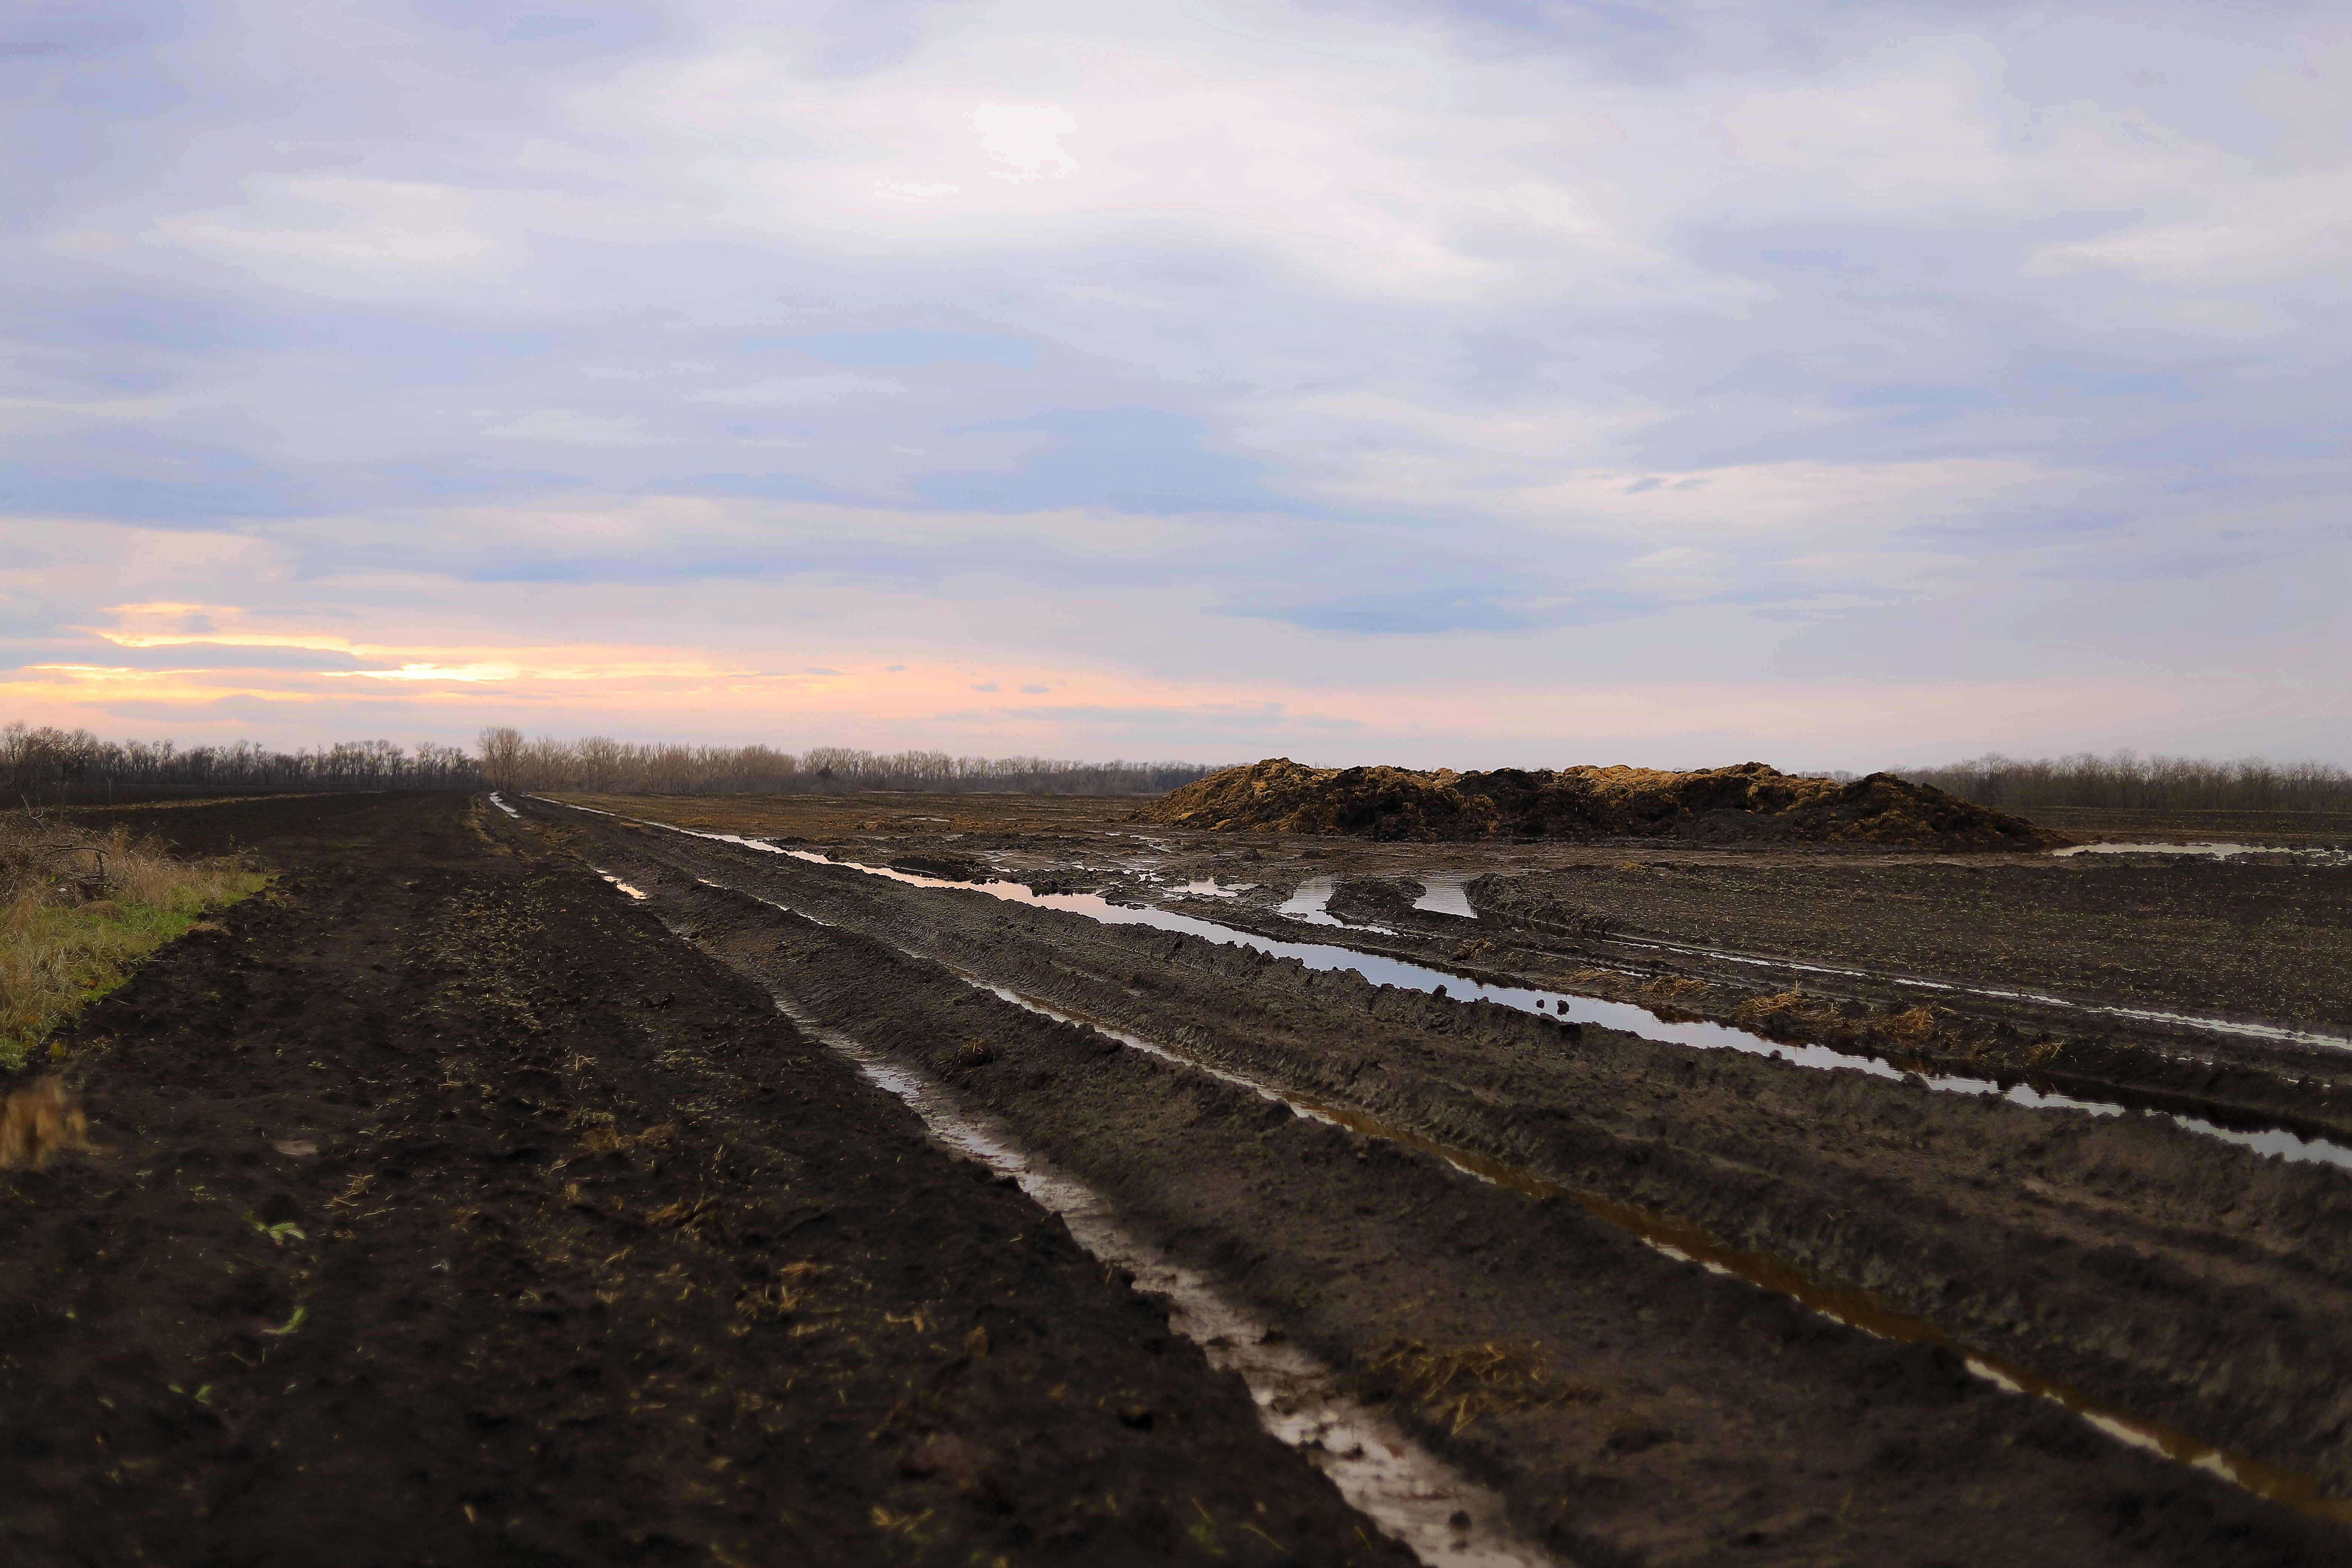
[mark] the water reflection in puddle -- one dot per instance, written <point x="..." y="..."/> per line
<point x="616" y="882"/>
<point x="1631" y="1019"/>
<point x="1409" y="1491"/>
<point x="1444" y="896"/>
<point x="1305" y="902"/>
<point x="502" y="806"/>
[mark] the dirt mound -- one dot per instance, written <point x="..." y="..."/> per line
<point x="1749" y="802"/>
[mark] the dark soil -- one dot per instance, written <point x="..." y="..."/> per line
<point x="2158" y="1273"/>
<point x="1751" y="802"/>
<point x="446" y="1209"/>
<point x="2257" y="939"/>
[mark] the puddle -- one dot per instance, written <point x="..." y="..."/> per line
<point x="624" y="887"/>
<point x="1444" y="896"/>
<point x="1410" y="1492"/>
<point x="502" y="806"/>
<point x="2216" y="850"/>
<point x="1305" y="902"/>
<point x="1382" y="970"/>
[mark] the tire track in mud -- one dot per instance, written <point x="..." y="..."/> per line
<point x="2115" y="1258"/>
<point x="2268" y="1109"/>
<point x="1285" y="1232"/>
<point x="1447" y="1520"/>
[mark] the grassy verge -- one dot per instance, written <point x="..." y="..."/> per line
<point x="60" y="951"/>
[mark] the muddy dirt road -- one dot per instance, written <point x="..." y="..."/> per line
<point x="1485" y="1216"/>
<point x="446" y="1208"/>
<point x="520" y="1183"/>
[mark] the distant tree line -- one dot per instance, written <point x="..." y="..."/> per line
<point x="602" y="765"/>
<point x="2124" y="779"/>
<point x="31" y="758"/>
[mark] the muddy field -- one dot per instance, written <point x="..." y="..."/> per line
<point x="1676" y="1205"/>
<point x="446" y="1209"/>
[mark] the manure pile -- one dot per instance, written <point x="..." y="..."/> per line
<point x="1750" y="802"/>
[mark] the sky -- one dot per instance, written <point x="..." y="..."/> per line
<point x="1476" y="383"/>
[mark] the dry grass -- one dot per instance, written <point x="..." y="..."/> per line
<point x="606" y="1140"/>
<point x="1673" y="985"/>
<point x="783" y="1294"/>
<point x="80" y="910"/>
<point x="1911" y="1025"/>
<point x="1790" y="1004"/>
<point x="1459" y="1385"/>
<point x="38" y="1122"/>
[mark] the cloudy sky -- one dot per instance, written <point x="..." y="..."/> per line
<point x="1494" y="381"/>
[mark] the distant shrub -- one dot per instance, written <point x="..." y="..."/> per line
<point x="33" y="760"/>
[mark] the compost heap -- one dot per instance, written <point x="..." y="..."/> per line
<point x="1749" y="802"/>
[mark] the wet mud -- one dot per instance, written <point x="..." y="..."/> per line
<point x="445" y="1207"/>
<point x="2145" y="1269"/>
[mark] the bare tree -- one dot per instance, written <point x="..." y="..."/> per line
<point x="502" y="756"/>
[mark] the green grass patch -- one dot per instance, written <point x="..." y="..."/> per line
<point x="55" y="958"/>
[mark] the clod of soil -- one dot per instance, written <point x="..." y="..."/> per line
<point x="1749" y="802"/>
<point x="38" y="1122"/>
<point x="1374" y="899"/>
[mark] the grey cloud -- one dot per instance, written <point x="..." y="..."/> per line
<point x="199" y="335"/>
